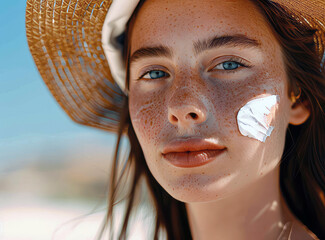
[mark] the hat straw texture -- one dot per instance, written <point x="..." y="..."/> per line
<point x="312" y="8"/>
<point x="64" y="37"/>
<point x="312" y="12"/>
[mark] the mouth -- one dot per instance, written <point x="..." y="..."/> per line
<point x="193" y="152"/>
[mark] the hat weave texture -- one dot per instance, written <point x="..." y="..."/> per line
<point x="64" y="37"/>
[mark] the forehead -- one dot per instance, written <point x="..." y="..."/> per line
<point x="176" y="22"/>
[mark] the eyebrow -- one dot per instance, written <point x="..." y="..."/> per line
<point x="145" y="52"/>
<point x="219" y="41"/>
<point x="199" y="46"/>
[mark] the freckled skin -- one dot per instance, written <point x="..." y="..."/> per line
<point x="218" y="96"/>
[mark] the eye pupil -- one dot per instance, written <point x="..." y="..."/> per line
<point x="230" y="65"/>
<point x="157" y="74"/>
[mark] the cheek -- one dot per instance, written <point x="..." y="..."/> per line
<point x="147" y="113"/>
<point x="229" y="96"/>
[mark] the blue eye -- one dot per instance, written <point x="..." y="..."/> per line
<point x="230" y="65"/>
<point x="154" y="74"/>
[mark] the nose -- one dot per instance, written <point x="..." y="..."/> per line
<point x="185" y="110"/>
<point x="186" y="115"/>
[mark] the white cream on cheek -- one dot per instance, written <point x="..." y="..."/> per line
<point x="254" y="117"/>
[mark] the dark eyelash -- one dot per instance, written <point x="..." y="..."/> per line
<point x="149" y="70"/>
<point x="240" y="61"/>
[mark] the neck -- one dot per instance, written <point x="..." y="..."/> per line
<point x="254" y="213"/>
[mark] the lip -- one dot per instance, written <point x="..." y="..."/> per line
<point x="192" y="152"/>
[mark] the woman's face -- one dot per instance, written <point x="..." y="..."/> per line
<point x="188" y="82"/>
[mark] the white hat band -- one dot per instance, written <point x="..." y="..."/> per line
<point x="114" y="26"/>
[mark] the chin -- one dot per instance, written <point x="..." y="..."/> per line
<point x="190" y="191"/>
<point x="194" y="196"/>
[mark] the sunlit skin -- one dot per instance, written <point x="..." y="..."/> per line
<point x="238" y="189"/>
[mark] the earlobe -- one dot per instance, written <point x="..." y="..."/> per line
<point x="299" y="113"/>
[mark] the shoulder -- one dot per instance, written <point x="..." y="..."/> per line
<point x="296" y="231"/>
<point x="301" y="232"/>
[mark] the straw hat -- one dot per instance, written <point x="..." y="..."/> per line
<point x="65" y="40"/>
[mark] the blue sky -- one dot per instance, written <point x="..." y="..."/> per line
<point x="30" y="118"/>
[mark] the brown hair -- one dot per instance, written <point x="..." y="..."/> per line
<point x="302" y="167"/>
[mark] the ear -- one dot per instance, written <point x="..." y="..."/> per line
<point x="299" y="113"/>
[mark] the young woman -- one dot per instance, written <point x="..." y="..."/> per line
<point x="222" y="101"/>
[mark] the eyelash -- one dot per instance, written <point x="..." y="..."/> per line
<point x="237" y="60"/>
<point x="150" y="70"/>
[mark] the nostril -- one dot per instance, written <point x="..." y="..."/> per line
<point x="174" y="119"/>
<point x="193" y="115"/>
<point x="183" y="116"/>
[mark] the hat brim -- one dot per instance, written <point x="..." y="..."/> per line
<point x="64" y="38"/>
